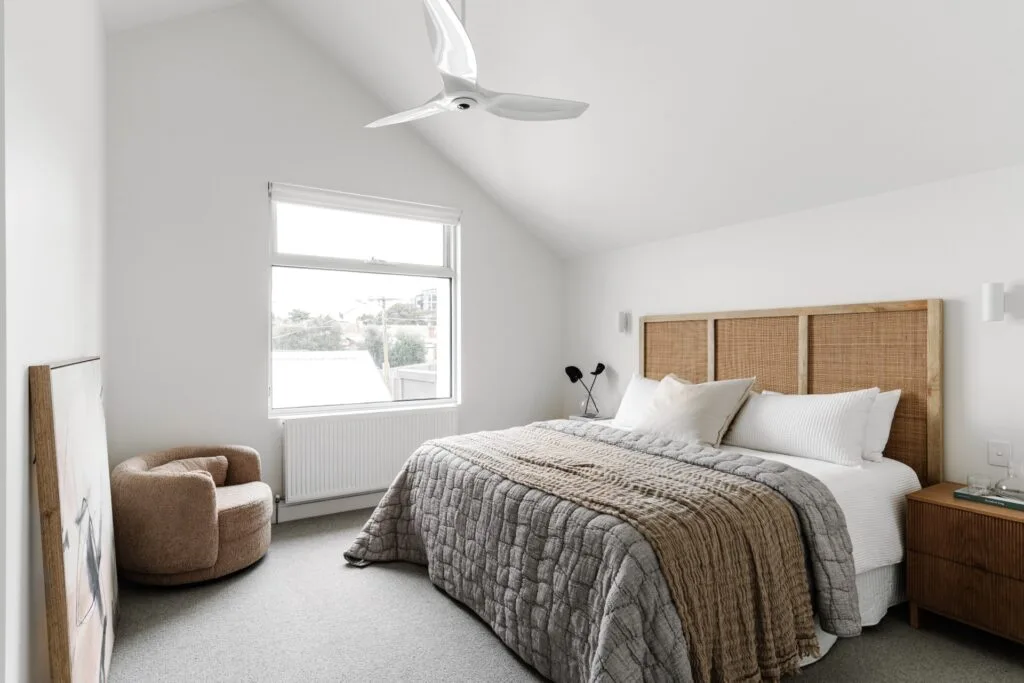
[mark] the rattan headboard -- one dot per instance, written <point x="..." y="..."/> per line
<point x="822" y="350"/>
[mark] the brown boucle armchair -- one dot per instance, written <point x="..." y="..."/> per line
<point x="190" y="514"/>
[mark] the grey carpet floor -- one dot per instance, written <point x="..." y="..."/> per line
<point x="302" y="615"/>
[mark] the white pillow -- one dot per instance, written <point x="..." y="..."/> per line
<point x="880" y="424"/>
<point x="876" y="434"/>
<point x="827" y="427"/>
<point x="694" y="412"/>
<point x="636" y="401"/>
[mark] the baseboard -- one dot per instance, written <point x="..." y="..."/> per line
<point x="290" y="513"/>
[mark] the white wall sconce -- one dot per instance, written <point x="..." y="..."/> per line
<point x="625" y="321"/>
<point x="993" y="302"/>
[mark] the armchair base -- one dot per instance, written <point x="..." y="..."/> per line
<point x="234" y="556"/>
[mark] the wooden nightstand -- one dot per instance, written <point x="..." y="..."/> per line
<point x="965" y="561"/>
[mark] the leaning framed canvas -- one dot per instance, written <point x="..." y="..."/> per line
<point x="69" y="449"/>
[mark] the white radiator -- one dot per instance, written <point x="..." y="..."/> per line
<point x="346" y="455"/>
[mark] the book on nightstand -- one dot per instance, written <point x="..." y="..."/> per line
<point x="989" y="499"/>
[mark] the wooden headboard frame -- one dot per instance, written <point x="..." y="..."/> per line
<point x="819" y="350"/>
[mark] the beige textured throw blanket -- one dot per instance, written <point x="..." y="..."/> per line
<point x="730" y="548"/>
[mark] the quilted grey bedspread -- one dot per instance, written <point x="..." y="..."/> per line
<point x="578" y="594"/>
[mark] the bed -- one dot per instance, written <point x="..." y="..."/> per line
<point x="601" y="554"/>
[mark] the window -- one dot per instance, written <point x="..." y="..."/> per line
<point x="363" y="302"/>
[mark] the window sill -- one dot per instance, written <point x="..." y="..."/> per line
<point x="363" y="409"/>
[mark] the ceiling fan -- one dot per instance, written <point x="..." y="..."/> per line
<point x="455" y="59"/>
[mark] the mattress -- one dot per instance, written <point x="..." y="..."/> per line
<point x="873" y="498"/>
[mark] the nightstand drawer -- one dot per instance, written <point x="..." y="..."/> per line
<point x="994" y="603"/>
<point x="972" y="539"/>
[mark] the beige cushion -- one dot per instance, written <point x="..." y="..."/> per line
<point x="216" y="466"/>
<point x="243" y="509"/>
<point x="695" y="412"/>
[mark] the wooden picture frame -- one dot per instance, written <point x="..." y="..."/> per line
<point x="69" y="451"/>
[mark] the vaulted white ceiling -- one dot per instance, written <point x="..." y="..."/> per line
<point x="124" y="14"/>
<point x="702" y="113"/>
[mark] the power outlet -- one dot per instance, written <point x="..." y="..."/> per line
<point x="999" y="453"/>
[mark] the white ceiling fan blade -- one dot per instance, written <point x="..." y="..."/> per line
<point x="431" y="108"/>
<point x="533" y="108"/>
<point x="453" y="53"/>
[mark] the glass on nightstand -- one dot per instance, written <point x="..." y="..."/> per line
<point x="979" y="484"/>
<point x="1013" y="485"/>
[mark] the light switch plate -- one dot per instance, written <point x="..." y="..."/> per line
<point x="999" y="453"/>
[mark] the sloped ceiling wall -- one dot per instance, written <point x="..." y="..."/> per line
<point x="120" y="15"/>
<point x="703" y="114"/>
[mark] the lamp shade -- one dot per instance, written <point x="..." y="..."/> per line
<point x="993" y="302"/>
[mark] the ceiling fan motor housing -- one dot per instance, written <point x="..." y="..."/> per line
<point x="464" y="103"/>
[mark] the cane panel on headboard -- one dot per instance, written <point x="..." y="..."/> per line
<point x="819" y="350"/>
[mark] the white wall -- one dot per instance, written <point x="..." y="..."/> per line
<point x="941" y="240"/>
<point x="3" y="351"/>
<point x="203" y="112"/>
<point x="54" y="76"/>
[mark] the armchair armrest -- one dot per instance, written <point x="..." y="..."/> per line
<point x="165" y="523"/>
<point x="243" y="464"/>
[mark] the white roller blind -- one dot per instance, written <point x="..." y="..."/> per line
<point x="280" y="192"/>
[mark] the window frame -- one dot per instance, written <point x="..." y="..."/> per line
<point x="449" y="218"/>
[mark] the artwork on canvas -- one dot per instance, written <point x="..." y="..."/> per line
<point x="69" y="445"/>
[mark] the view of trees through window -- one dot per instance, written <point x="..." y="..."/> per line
<point x="302" y="331"/>
<point x="340" y="337"/>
